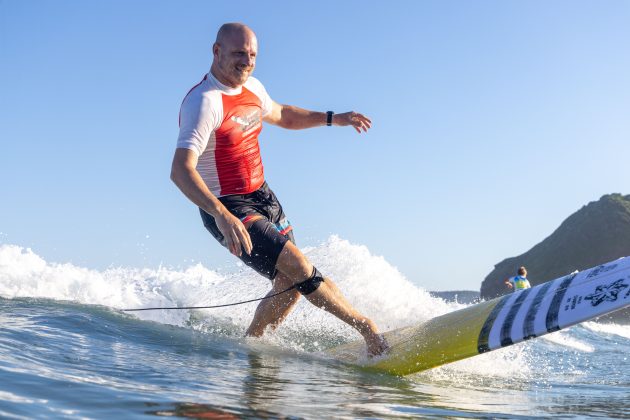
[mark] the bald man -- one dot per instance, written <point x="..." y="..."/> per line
<point x="217" y="165"/>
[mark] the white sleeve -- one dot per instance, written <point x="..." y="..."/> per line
<point x="198" y="118"/>
<point x="259" y="90"/>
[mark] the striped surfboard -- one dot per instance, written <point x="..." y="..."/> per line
<point x="500" y="322"/>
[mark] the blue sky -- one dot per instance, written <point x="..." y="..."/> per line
<point x="492" y="122"/>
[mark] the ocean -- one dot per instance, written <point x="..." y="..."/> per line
<point x="67" y="350"/>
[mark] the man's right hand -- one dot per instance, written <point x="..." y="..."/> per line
<point x="184" y="174"/>
<point x="235" y="234"/>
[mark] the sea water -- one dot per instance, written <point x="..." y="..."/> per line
<point x="67" y="350"/>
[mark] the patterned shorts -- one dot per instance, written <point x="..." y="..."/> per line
<point x="268" y="235"/>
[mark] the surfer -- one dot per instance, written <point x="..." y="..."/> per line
<point x="217" y="165"/>
<point x="518" y="282"/>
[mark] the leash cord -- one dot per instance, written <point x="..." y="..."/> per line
<point x="216" y="306"/>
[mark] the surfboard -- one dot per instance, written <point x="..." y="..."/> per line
<point x="500" y="322"/>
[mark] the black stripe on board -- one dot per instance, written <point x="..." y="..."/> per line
<point x="528" y="326"/>
<point x="484" y="334"/>
<point x="551" y="321"/>
<point x="506" y="328"/>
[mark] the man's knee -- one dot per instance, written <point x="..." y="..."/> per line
<point x="296" y="266"/>
<point x="311" y="284"/>
<point x="282" y="282"/>
<point x="293" y="263"/>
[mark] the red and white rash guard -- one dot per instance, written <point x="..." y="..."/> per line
<point x="221" y="125"/>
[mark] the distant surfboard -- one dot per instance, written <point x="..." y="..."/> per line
<point x="500" y="322"/>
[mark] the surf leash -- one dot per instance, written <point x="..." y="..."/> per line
<point x="217" y="306"/>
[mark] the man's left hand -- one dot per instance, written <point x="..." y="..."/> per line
<point x="359" y="121"/>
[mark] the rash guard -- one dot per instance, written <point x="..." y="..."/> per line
<point x="519" y="282"/>
<point x="221" y="125"/>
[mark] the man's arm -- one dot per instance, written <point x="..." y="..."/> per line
<point x="294" y="118"/>
<point x="184" y="174"/>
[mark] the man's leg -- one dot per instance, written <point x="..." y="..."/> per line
<point x="296" y="267"/>
<point x="271" y="312"/>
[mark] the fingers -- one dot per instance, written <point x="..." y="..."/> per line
<point x="246" y="240"/>
<point x="241" y="239"/>
<point x="359" y="122"/>
<point x="363" y="124"/>
<point x="236" y="236"/>
<point x="238" y="240"/>
<point x="233" y="244"/>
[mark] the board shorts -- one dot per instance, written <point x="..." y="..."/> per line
<point x="268" y="235"/>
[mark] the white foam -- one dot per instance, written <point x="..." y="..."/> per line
<point x="370" y="283"/>
<point x="509" y="363"/>
<point x="24" y="274"/>
<point x="373" y="285"/>
<point x="564" y="339"/>
<point x="613" y="329"/>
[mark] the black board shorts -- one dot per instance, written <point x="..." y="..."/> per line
<point x="268" y="235"/>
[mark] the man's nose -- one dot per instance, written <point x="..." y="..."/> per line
<point x="249" y="60"/>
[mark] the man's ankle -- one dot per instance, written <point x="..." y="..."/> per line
<point x="366" y="327"/>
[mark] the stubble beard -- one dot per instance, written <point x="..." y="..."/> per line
<point x="242" y="74"/>
<point x="234" y="75"/>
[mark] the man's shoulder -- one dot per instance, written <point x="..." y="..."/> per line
<point x="252" y="81"/>
<point x="202" y="94"/>
<point x="255" y="86"/>
<point x="205" y="89"/>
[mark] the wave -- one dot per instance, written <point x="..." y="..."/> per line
<point x="562" y="338"/>
<point x="370" y="283"/>
<point x="609" y="329"/>
<point x="374" y="286"/>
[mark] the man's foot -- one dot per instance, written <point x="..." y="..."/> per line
<point x="376" y="345"/>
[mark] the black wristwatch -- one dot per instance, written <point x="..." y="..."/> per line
<point x="329" y="115"/>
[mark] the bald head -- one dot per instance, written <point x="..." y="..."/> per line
<point x="233" y="29"/>
<point x="234" y="54"/>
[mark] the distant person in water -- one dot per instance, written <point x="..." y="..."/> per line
<point x="217" y="165"/>
<point x="518" y="282"/>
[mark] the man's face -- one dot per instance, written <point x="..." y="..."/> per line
<point x="235" y="58"/>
